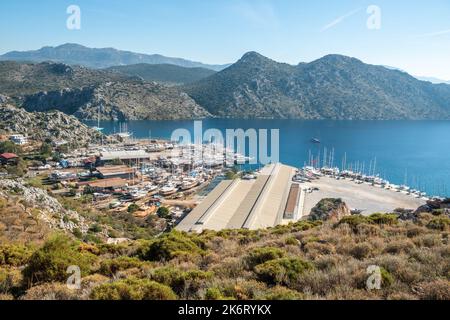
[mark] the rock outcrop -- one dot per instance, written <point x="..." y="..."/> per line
<point x="329" y="209"/>
<point x="37" y="201"/>
<point x="44" y="126"/>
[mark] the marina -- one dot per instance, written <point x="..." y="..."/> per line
<point x="413" y="147"/>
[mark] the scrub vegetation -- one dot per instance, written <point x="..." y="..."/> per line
<point x="305" y="260"/>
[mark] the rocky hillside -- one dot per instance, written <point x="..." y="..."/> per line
<point x="20" y="79"/>
<point x="333" y="87"/>
<point x="130" y="100"/>
<point x="80" y="91"/>
<point x="42" y="126"/>
<point x="29" y="213"/>
<point x="164" y="73"/>
<point x="75" y="54"/>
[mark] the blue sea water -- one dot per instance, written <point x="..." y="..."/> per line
<point x="415" y="152"/>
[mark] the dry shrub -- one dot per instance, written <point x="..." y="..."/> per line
<point x="367" y="230"/>
<point x="428" y="240"/>
<point x="321" y="283"/>
<point x="361" y="250"/>
<point x="399" y="246"/>
<point x="377" y="243"/>
<point x="93" y="280"/>
<point x="413" y="230"/>
<point x="245" y="290"/>
<point x="326" y="262"/>
<point x="350" y="293"/>
<point x="4" y="297"/>
<point x="438" y="289"/>
<point x="230" y="267"/>
<point x="392" y="264"/>
<point x="51" y="291"/>
<point x="315" y="249"/>
<point x="401" y="296"/>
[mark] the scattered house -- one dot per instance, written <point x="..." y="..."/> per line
<point x="60" y="143"/>
<point x="9" y="158"/>
<point x="105" y="184"/>
<point x="121" y="171"/>
<point x="18" y="139"/>
<point x="59" y="176"/>
<point x="89" y="163"/>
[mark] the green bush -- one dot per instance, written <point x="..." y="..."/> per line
<point x="133" y="289"/>
<point x="354" y="220"/>
<point x="50" y="262"/>
<point x="10" y="147"/>
<point x="133" y="208"/>
<point x="260" y="255"/>
<point x="214" y="294"/>
<point x="382" y="218"/>
<point x="439" y="223"/>
<point x="163" y="212"/>
<point x="291" y="241"/>
<point x="386" y="278"/>
<point x="10" y="281"/>
<point x="282" y="271"/>
<point x="110" y="267"/>
<point x="13" y="255"/>
<point x="171" y="245"/>
<point x="95" y="228"/>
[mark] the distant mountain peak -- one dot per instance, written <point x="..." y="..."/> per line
<point x="253" y="56"/>
<point x="69" y="45"/>
<point x="76" y="54"/>
<point x="339" y="58"/>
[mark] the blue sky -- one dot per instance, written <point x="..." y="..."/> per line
<point x="414" y="35"/>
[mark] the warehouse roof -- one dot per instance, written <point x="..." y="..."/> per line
<point x="124" y="155"/>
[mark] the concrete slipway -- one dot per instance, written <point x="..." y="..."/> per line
<point x="248" y="204"/>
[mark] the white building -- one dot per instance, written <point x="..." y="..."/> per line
<point x="18" y="139"/>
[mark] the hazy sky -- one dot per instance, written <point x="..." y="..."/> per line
<point x="414" y="35"/>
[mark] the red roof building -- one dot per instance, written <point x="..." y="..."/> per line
<point x="9" y="156"/>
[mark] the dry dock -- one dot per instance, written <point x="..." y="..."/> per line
<point x="248" y="204"/>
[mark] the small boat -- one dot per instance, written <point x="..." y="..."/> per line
<point x="189" y="184"/>
<point x="167" y="190"/>
<point x="315" y="140"/>
<point x="138" y="194"/>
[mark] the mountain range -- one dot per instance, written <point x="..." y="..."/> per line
<point x="333" y="87"/>
<point x="75" y="54"/>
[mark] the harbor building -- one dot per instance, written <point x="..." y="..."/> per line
<point x="120" y="171"/>
<point x="129" y="156"/>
